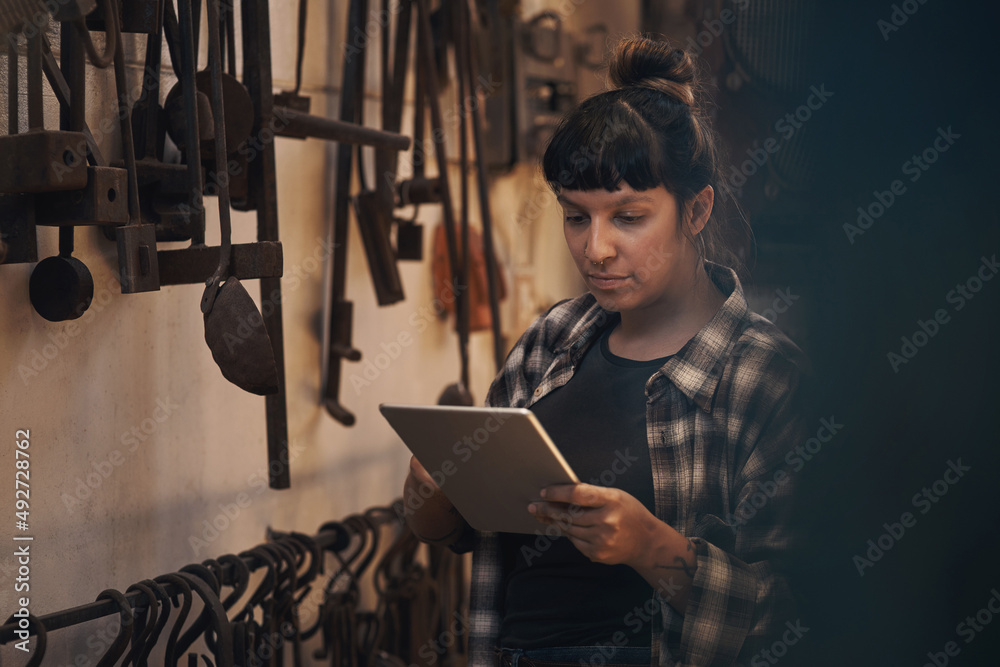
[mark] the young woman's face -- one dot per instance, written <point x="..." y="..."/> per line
<point x="628" y="245"/>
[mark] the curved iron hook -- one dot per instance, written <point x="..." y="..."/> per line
<point x="239" y="578"/>
<point x="185" y="591"/>
<point x="217" y="614"/>
<point x="120" y="644"/>
<point x="161" y="621"/>
<point x="140" y="640"/>
<point x="266" y="585"/>
<point x="206" y="574"/>
<point x="41" y="639"/>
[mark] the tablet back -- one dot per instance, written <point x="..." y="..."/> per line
<point x="489" y="462"/>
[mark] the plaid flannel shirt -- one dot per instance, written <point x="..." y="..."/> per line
<point x="721" y="416"/>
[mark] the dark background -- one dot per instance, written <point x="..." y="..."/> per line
<point x="901" y="428"/>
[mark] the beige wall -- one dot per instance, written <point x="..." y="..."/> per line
<point x="139" y="364"/>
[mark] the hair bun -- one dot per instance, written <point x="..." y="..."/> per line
<point x="648" y="63"/>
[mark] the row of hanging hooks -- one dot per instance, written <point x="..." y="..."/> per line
<point x="260" y="606"/>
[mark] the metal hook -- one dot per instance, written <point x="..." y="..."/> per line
<point x="161" y="622"/>
<point x="40" y="639"/>
<point x="185" y="588"/>
<point x="217" y="614"/>
<point x="119" y="646"/>
<point x="147" y="625"/>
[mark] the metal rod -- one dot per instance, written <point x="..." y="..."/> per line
<point x="492" y="272"/>
<point x="12" y="88"/>
<point x="262" y="177"/>
<point x="317" y="127"/>
<point x="125" y="114"/>
<point x="192" y="149"/>
<point x="36" y="112"/>
<point x="64" y="94"/>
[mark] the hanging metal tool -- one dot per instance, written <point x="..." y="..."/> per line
<point x="18" y="238"/>
<point x="425" y="47"/>
<point x="234" y="328"/>
<point x="292" y="98"/>
<point x="61" y="287"/>
<point x="262" y="180"/>
<point x="374" y="207"/>
<point x="458" y="393"/>
<point x="136" y="241"/>
<point x="40" y="160"/>
<point x="338" y="345"/>
<point x="492" y="271"/>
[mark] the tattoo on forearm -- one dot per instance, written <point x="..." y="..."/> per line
<point x="680" y="563"/>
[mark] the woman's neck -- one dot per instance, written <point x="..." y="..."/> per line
<point x="663" y="329"/>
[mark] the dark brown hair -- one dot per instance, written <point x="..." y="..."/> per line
<point x="649" y="129"/>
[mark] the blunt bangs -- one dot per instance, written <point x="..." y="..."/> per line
<point x="600" y="144"/>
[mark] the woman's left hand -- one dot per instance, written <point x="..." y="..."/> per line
<point x="611" y="526"/>
<point x="607" y="525"/>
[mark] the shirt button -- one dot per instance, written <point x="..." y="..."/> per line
<point x="538" y="392"/>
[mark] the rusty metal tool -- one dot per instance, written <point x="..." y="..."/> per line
<point x="293" y="99"/>
<point x="62" y="287"/>
<point x="372" y="211"/>
<point x="425" y="48"/>
<point x="136" y="241"/>
<point x="101" y="202"/>
<point x="234" y="328"/>
<point x="40" y="160"/>
<point x="337" y="344"/>
<point x="262" y="180"/>
<point x="18" y="237"/>
<point x="492" y="271"/>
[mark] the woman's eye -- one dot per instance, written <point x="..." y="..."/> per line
<point x="630" y="218"/>
<point x="575" y="219"/>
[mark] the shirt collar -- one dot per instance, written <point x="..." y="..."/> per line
<point x="697" y="367"/>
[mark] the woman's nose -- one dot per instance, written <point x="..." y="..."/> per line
<point x="600" y="245"/>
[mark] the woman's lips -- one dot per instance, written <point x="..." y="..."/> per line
<point x="606" y="280"/>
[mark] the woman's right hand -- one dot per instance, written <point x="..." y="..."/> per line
<point x="431" y="516"/>
<point x="420" y="474"/>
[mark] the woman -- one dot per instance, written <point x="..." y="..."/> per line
<point x="673" y="401"/>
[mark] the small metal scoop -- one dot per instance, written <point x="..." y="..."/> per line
<point x="234" y="328"/>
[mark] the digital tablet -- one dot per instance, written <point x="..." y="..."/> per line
<point x="489" y="462"/>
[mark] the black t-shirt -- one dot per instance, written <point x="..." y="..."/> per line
<point x="553" y="595"/>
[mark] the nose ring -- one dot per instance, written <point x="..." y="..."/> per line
<point x="601" y="263"/>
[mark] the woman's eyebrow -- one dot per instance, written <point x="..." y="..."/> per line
<point x="625" y="199"/>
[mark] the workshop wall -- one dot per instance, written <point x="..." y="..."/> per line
<point x="143" y="457"/>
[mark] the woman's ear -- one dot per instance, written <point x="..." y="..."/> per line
<point x="701" y="209"/>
